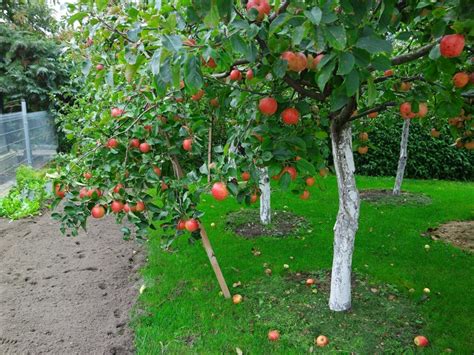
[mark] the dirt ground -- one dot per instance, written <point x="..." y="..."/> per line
<point x="387" y="197"/>
<point x="458" y="233"/>
<point x="66" y="295"/>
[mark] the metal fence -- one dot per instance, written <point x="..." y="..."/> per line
<point x="25" y="138"/>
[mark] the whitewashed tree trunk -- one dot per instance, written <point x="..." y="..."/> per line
<point x="265" y="208"/>
<point x="402" y="161"/>
<point x="347" y="218"/>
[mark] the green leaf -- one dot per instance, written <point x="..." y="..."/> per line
<point x="371" y="91"/>
<point x="346" y="63"/>
<point x="192" y="74"/>
<point x="434" y="53"/>
<point x="155" y="62"/>
<point x="79" y="16"/>
<point x="172" y="42"/>
<point x="86" y="67"/>
<point x="279" y="67"/>
<point x="374" y="44"/>
<point x="285" y="181"/>
<point x="325" y="74"/>
<point x="305" y="167"/>
<point x="278" y="23"/>
<point x="314" y="15"/>
<point x="336" y="36"/>
<point x="381" y="62"/>
<point x="352" y="83"/>
<point x="101" y="4"/>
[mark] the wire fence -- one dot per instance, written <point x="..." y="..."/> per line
<point x="25" y="138"/>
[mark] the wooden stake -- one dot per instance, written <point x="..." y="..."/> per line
<point x="215" y="265"/>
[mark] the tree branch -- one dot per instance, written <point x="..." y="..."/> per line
<point x="302" y="90"/>
<point x="378" y="108"/>
<point x="226" y="74"/>
<point x="409" y="57"/>
<point x="281" y="9"/>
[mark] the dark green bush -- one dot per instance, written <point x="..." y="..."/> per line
<point x="428" y="157"/>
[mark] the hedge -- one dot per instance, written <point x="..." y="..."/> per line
<point x="428" y="157"/>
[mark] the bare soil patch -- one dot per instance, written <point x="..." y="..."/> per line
<point x="246" y="223"/>
<point x="66" y="295"/>
<point x="458" y="233"/>
<point x="384" y="196"/>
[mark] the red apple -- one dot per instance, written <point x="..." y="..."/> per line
<point x="116" y="206"/>
<point x="116" y="112"/>
<point x="164" y="186"/>
<point x="273" y="335"/>
<point x="304" y="195"/>
<point x="310" y="181"/>
<point x="87" y="175"/>
<point x="451" y="46"/>
<point x="118" y="187"/>
<point x="373" y="114"/>
<point x="321" y="341"/>
<point x="290" y="116"/>
<point x="245" y="176"/>
<point x="59" y="193"/>
<point x="145" y="147"/>
<point x="268" y="106"/>
<point x="98" y="211"/>
<point x="388" y="72"/>
<point x="188" y="144"/>
<point x="421" y="341"/>
<point x="181" y="225"/>
<point x="157" y="170"/>
<point x="249" y="74"/>
<point x="140" y="206"/>
<point x="236" y="299"/>
<point x="219" y="191"/>
<point x="99" y="67"/>
<point x="290" y="170"/>
<point x="191" y="225"/>
<point x="405" y="110"/>
<point x="198" y="96"/>
<point x="253" y="198"/>
<point x="112" y="143"/>
<point x="262" y="6"/>
<point x="134" y="143"/>
<point x="83" y="192"/>
<point x="126" y="208"/>
<point x="235" y="75"/>
<point x="460" y="79"/>
<point x="310" y="282"/>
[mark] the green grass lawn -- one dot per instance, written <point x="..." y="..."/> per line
<point x="181" y="310"/>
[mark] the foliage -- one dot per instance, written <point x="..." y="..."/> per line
<point x="29" y="15"/>
<point x="27" y="197"/>
<point x="180" y="310"/>
<point x="163" y="63"/>
<point x="29" y="66"/>
<point x="428" y="157"/>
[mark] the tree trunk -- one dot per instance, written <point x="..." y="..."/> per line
<point x="265" y="208"/>
<point x="347" y="218"/>
<point x="402" y="161"/>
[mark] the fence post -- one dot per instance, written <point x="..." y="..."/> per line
<point x="26" y="131"/>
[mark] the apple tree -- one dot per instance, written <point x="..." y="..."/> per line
<point x="289" y="74"/>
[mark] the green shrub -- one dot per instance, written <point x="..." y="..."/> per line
<point x="428" y="157"/>
<point x="27" y="197"/>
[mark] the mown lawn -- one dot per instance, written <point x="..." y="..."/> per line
<point x="181" y="310"/>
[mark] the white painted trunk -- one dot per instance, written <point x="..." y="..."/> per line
<point x="265" y="194"/>
<point x="347" y="218"/>
<point x="402" y="161"/>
